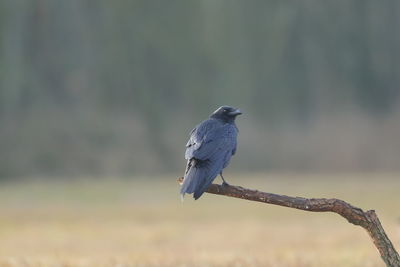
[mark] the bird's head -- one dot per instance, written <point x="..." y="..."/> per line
<point x="226" y="113"/>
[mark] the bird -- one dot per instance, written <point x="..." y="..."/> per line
<point x="211" y="145"/>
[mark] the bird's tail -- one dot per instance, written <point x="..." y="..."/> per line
<point x="198" y="177"/>
<point x="195" y="174"/>
<point x="197" y="194"/>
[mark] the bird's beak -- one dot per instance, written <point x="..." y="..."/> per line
<point x="235" y="113"/>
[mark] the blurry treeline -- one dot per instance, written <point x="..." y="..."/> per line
<point x="114" y="87"/>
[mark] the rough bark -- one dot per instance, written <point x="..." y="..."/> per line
<point x="368" y="220"/>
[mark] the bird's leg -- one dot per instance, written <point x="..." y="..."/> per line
<point x="224" y="182"/>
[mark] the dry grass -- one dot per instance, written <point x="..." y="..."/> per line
<point x="118" y="222"/>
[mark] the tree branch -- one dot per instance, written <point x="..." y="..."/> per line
<point x="368" y="220"/>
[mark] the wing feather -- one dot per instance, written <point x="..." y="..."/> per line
<point x="209" y="138"/>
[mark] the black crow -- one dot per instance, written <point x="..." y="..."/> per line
<point x="209" y="150"/>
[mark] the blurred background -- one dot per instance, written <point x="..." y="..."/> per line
<point x="92" y="90"/>
<point x="114" y="87"/>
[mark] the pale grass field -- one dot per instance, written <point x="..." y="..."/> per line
<point x="142" y="222"/>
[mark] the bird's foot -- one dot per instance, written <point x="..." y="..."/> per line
<point x="225" y="184"/>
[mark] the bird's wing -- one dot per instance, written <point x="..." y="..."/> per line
<point x="210" y="137"/>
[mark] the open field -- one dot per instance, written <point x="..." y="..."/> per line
<point x="121" y="222"/>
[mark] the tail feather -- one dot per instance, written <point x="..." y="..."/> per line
<point x="194" y="176"/>
<point x="198" y="177"/>
<point x="197" y="194"/>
